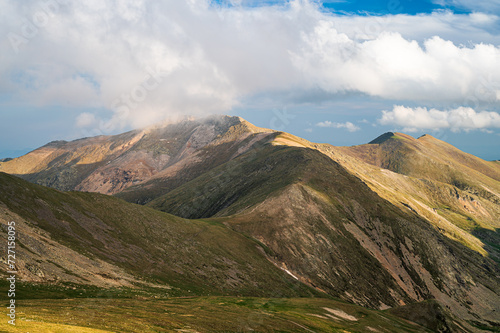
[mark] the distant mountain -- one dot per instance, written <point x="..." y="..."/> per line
<point x="426" y="157"/>
<point x="458" y="192"/>
<point x="167" y="154"/>
<point x="394" y="222"/>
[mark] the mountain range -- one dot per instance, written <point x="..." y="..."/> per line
<point x="219" y="207"/>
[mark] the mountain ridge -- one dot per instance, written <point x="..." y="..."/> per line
<point x="132" y="246"/>
<point x="356" y="226"/>
<point x="418" y="213"/>
<point x="94" y="164"/>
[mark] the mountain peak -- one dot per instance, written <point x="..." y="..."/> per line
<point x="382" y="138"/>
<point x="428" y="137"/>
<point x="391" y="135"/>
<point x="109" y="164"/>
<point x="56" y="143"/>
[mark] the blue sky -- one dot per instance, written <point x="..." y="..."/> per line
<point x="362" y="7"/>
<point x="411" y="7"/>
<point x="341" y="72"/>
<point x="367" y="7"/>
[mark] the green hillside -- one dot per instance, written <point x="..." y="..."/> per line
<point x="140" y="259"/>
<point x="334" y="233"/>
<point x="159" y="250"/>
<point x="204" y="314"/>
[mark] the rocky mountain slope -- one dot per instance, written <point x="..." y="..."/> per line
<point x="85" y="259"/>
<point x="394" y="222"/>
<point x="333" y="233"/>
<point x="457" y="192"/>
<point x="94" y="239"/>
<point x="161" y="156"/>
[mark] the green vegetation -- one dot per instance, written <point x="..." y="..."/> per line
<point x="222" y="190"/>
<point x="428" y="314"/>
<point x="302" y="206"/>
<point x="192" y="257"/>
<point x="203" y="314"/>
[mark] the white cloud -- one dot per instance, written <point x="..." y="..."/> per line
<point x="392" y="67"/>
<point x="85" y="120"/>
<point x="492" y="6"/>
<point x="462" y="118"/>
<point x="347" y="125"/>
<point x="460" y="28"/>
<point x="147" y="60"/>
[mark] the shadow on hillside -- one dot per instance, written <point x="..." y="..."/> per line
<point x="491" y="238"/>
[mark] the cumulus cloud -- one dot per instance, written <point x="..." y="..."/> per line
<point x="347" y="125"/>
<point x="85" y="119"/>
<point x="462" y="118"/>
<point x="146" y="60"/>
<point x="392" y="67"/>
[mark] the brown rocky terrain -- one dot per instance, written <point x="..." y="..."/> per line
<point x="110" y="164"/>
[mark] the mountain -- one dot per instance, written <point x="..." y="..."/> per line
<point x="88" y="262"/>
<point x="94" y="239"/>
<point x="457" y="192"/>
<point x="396" y="222"/>
<point x="429" y="158"/>
<point x="332" y="232"/>
<point x="161" y="156"/>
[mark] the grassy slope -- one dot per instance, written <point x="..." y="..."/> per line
<point x="430" y="158"/>
<point x="206" y="314"/>
<point x="314" y="215"/>
<point x="93" y="222"/>
<point x="457" y="192"/>
<point x="194" y="257"/>
<point x="429" y="314"/>
<point x="223" y="190"/>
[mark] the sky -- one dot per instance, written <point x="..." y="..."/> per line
<point x="341" y="72"/>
